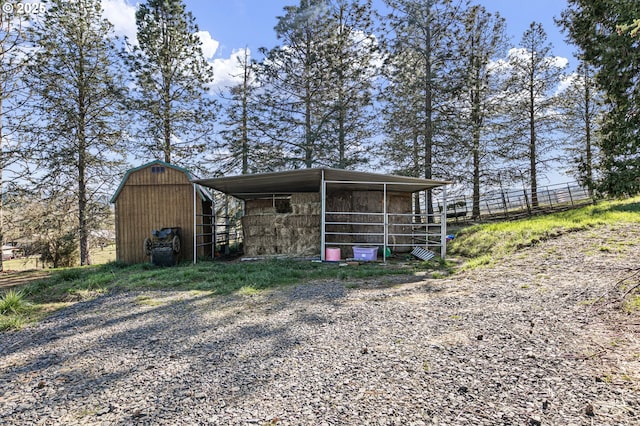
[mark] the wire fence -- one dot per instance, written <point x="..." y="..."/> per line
<point x="517" y="203"/>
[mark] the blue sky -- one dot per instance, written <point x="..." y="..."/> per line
<point x="238" y="23"/>
<point x="230" y="25"/>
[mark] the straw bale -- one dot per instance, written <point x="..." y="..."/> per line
<point x="258" y="211"/>
<point x="256" y="231"/>
<point x="302" y="221"/>
<point x="288" y="234"/>
<point x="258" y="220"/>
<point x="291" y="234"/>
<point x="339" y="201"/>
<point x="299" y="242"/>
<point x="262" y="240"/>
<point x="306" y="208"/>
<point x="252" y="206"/>
<point x="267" y="206"/>
<point x="305" y="198"/>
<point x="259" y="249"/>
<point x="399" y="202"/>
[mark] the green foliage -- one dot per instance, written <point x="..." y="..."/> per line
<point x="532" y="119"/>
<point x="595" y="27"/>
<point x="13" y="302"/>
<point x="633" y="304"/>
<point x="59" y="251"/>
<point x="14" y="322"/>
<point x="419" y="59"/>
<point x="317" y="97"/>
<point x="77" y="116"/>
<point x="171" y="73"/>
<point x="486" y="241"/>
<point x="13" y="310"/>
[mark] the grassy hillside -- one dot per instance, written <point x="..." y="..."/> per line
<point x="480" y="244"/>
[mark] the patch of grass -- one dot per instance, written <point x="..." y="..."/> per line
<point x="485" y="242"/>
<point x="12" y="322"/>
<point x="211" y="278"/>
<point x="633" y="304"/>
<point x="148" y="301"/>
<point x="482" y="260"/>
<point x="248" y="291"/>
<point x="14" y="310"/>
<point x="13" y="302"/>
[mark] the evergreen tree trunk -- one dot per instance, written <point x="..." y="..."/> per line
<point x="244" y="131"/>
<point x="416" y="170"/>
<point x="532" y="136"/>
<point x="587" y="133"/>
<point x="82" y="170"/>
<point x="428" y="117"/>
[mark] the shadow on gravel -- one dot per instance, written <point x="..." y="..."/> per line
<point x="113" y="341"/>
<point x="180" y="351"/>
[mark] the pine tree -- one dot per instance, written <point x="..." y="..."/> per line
<point x="243" y="148"/>
<point x="482" y="41"/>
<point x="353" y="57"/>
<point x="13" y="57"/>
<point x="598" y="28"/>
<point x="532" y="116"/>
<point x="294" y="78"/>
<point x="582" y="109"/>
<point x="77" y="103"/>
<point x="172" y="83"/>
<point x="419" y="52"/>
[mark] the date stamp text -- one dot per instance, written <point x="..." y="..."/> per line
<point x="22" y="8"/>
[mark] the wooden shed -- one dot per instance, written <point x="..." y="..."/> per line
<point x="153" y="196"/>
<point x="302" y="212"/>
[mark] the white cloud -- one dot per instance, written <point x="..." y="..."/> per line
<point x="558" y="62"/>
<point x="123" y="17"/>
<point x="209" y="45"/>
<point x="568" y="81"/>
<point x="228" y="71"/>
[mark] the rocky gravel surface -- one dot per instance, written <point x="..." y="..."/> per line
<point x="536" y="339"/>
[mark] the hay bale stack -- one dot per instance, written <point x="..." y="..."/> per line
<point x="258" y="211"/>
<point x="282" y="233"/>
<point x="305" y="197"/>
<point x="297" y="235"/>
<point x="266" y="206"/>
<point x="339" y="201"/>
<point x="259" y="234"/>
<point x="305" y="203"/>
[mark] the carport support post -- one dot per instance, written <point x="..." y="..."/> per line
<point x="443" y="224"/>
<point x="195" y="227"/>
<point x="385" y="224"/>
<point x="323" y="207"/>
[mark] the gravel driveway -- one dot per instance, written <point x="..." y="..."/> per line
<point x="517" y="343"/>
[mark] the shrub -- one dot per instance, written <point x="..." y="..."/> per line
<point x="59" y="251"/>
<point x="13" y="302"/>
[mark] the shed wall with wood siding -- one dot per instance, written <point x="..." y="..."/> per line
<point x="153" y="196"/>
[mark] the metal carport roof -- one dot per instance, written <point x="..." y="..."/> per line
<point x="310" y="180"/>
